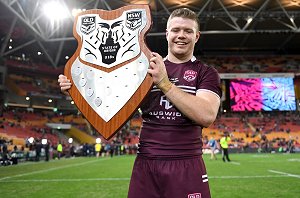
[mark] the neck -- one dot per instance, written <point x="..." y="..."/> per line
<point x="179" y="59"/>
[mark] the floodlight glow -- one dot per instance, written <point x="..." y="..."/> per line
<point x="70" y="140"/>
<point x="98" y="140"/>
<point x="54" y="10"/>
<point x="44" y="141"/>
<point x="76" y="12"/>
<point x="30" y="140"/>
<point x="249" y="20"/>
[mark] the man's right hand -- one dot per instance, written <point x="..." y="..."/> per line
<point x="64" y="84"/>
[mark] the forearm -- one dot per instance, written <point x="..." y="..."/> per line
<point x="201" y="109"/>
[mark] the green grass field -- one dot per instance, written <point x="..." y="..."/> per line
<point x="249" y="175"/>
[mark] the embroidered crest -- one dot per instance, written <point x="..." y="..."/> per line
<point x="189" y="75"/>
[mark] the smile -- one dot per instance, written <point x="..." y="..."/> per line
<point x="180" y="43"/>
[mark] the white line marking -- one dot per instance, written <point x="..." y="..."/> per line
<point x="127" y="179"/>
<point x="235" y="163"/>
<point x="245" y="177"/>
<point x="293" y="160"/>
<point x="283" y="173"/>
<point x="262" y="156"/>
<point x="50" y="169"/>
<point x="66" y="180"/>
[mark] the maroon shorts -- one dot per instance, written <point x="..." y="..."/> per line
<point x="176" y="178"/>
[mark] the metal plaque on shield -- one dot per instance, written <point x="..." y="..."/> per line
<point x="109" y="67"/>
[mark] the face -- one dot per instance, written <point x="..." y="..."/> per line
<point x="182" y="34"/>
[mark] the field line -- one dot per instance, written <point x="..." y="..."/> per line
<point x="127" y="179"/>
<point x="235" y="163"/>
<point x="66" y="180"/>
<point x="245" y="177"/>
<point x="283" y="173"/>
<point x="51" y="169"/>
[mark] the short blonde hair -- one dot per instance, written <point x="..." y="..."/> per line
<point x="187" y="14"/>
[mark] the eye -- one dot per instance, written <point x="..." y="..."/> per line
<point x="189" y="31"/>
<point x="175" y="30"/>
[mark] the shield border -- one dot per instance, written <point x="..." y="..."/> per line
<point x="110" y="128"/>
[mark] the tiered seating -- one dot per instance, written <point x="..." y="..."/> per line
<point x="33" y="85"/>
<point x="277" y="127"/>
<point x="24" y="125"/>
<point x="248" y="64"/>
<point x="41" y="68"/>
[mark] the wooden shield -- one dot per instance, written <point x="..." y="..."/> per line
<point x="109" y="68"/>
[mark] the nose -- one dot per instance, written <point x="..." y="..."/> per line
<point x="181" y="34"/>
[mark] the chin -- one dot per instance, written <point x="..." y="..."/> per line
<point x="180" y="53"/>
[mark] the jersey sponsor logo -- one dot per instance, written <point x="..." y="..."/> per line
<point x="164" y="115"/>
<point x="195" y="195"/>
<point x="165" y="102"/>
<point x="189" y="75"/>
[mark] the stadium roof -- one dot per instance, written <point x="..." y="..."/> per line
<point x="227" y="27"/>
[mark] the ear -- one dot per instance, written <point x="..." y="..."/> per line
<point x="167" y="33"/>
<point x="197" y="36"/>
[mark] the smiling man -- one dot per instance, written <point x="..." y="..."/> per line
<point x="185" y="98"/>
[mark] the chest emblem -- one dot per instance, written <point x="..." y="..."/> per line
<point x="189" y="75"/>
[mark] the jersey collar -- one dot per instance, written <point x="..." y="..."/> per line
<point x="193" y="59"/>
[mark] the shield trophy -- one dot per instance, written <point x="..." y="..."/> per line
<point x="109" y="67"/>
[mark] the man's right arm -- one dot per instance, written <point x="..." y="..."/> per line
<point x="64" y="84"/>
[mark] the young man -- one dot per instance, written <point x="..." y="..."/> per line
<point x="185" y="98"/>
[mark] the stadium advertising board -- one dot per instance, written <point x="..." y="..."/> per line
<point x="262" y="94"/>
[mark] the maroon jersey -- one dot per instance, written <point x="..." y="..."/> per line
<point x="166" y="132"/>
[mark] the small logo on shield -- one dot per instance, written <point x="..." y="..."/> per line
<point x="88" y="24"/>
<point x="133" y="20"/>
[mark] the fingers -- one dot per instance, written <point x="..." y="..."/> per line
<point x="64" y="83"/>
<point x="157" y="68"/>
<point x="156" y="58"/>
<point x="62" y="78"/>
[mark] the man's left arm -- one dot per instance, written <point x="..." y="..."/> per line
<point x="201" y="108"/>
